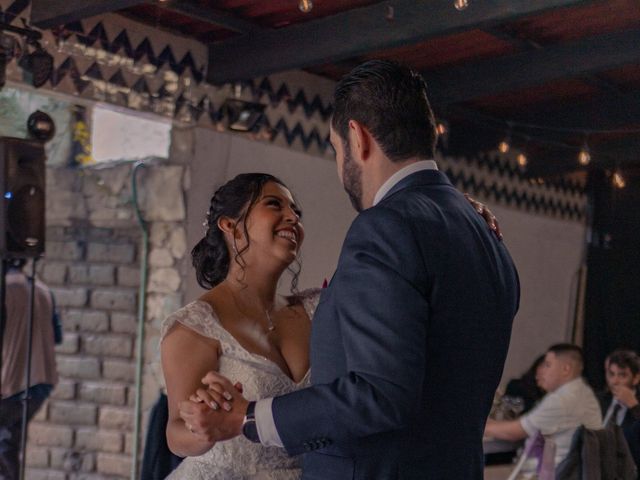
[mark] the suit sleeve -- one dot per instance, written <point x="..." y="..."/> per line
<point x="379" y="295"/>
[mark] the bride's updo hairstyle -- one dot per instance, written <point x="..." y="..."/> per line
<point x="234" y="199"/>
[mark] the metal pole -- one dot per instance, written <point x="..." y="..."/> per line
<point x="3" y="312"/>
<point x="141" y="314"/>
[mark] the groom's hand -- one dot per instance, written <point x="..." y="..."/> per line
<point x="216" y="411"/>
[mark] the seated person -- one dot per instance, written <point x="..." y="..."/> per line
<point x="526" y="387"/>
<point x="619" y="402"/>
<point x="569" y="403"/>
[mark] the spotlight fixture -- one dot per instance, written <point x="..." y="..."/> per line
<point x="37" y="65"/>
<point x="305" y="6"/>
<point x="41" y="127"/>
<point x="242" y="116"/>
<point x="9" y="47"/>
<point x="3" y="67"/>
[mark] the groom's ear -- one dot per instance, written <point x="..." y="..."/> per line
<point x="360" y="141"/>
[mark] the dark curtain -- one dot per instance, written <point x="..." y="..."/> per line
<point x="612" y="313"/>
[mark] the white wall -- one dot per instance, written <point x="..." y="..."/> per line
<point x="547" y="253"/>
<point x="327" y="212"/>
<point x="545" y="250"/>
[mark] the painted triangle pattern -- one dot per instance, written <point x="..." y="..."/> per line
<point x="294" y="117"/>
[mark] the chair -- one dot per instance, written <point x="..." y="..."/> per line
<point x="542" y="448"/>
<point x="598" y="455"/>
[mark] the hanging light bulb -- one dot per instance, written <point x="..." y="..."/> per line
<point x="584" y="157"/>
<point x="618" y="180"/>
<point x="305" y="6"/>
<point x="441" y="128"/>
<point x="504" y="145"/>
<point x="522" y="160"/>
<point x="461" y="4"/>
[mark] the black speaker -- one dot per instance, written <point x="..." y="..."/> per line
<point x="22" y="185"/>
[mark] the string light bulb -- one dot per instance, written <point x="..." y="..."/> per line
<point x="461" y="4"/>
<point x="522" y="160"/>
<point x="305" y="6"/>
<point x="584" y="157"/>
<point x="618" y="180"/>
<point x="504" y="145"/>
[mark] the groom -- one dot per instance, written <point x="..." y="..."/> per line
<point x="410" y="336"/>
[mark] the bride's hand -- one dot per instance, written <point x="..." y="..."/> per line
<point x="203" y="396"/>
<point x="200" y="420"/>
<point x="213" y="424"/>
<point x="488" y="216"/>
<point x="201" y="415"/>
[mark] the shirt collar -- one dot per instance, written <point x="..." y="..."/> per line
<point x="403" y="173"/>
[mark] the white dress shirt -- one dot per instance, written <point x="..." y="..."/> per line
<point x="265" y="424"/>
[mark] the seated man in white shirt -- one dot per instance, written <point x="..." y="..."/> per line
<point x="569" y="403"/>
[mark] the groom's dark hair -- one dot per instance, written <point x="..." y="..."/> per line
<point x="391" y="101"/>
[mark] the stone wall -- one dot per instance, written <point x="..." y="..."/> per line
<point x="92" y="264"/>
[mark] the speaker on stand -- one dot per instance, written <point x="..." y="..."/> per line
<point x="22" y="222"/>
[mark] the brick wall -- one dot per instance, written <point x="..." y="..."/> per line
<point x="85" y="430"/>
<point x="82" y="427"/>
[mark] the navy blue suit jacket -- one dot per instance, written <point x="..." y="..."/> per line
<point x="408" y="343"/>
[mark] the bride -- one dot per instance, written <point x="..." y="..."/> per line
<point x="239" y="327"/>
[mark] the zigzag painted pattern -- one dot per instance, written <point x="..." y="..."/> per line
<point x="491" y="177"/>
<point x="486" y="176"/>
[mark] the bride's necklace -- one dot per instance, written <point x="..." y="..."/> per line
<point x="270" y="326"/>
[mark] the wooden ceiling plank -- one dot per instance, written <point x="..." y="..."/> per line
<point x="356" y="32"/>
<point x="534" y="67"/>
<point x="214" y="16"/>
<point x="51" y="13"/>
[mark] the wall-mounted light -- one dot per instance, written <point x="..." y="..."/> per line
<point x="9" y="48"/>
<point x="36" y="64"/>
<point x="242" y="116"/>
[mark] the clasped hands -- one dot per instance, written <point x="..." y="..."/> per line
<point x="215" y="412"/>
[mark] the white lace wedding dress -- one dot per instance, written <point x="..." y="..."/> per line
<point x="240" y="459"/>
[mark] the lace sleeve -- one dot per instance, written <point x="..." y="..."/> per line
<point x="197" y="316"/>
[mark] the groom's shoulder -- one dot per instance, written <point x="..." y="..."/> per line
<point x="378" y="222"/>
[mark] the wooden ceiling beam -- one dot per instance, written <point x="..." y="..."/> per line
<point x="356" y="32"/>
<point x="214" y="16"/>
<point x="608" y="112"/>
<point x="534" y="67"/>
<point x="47" y="14"/>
